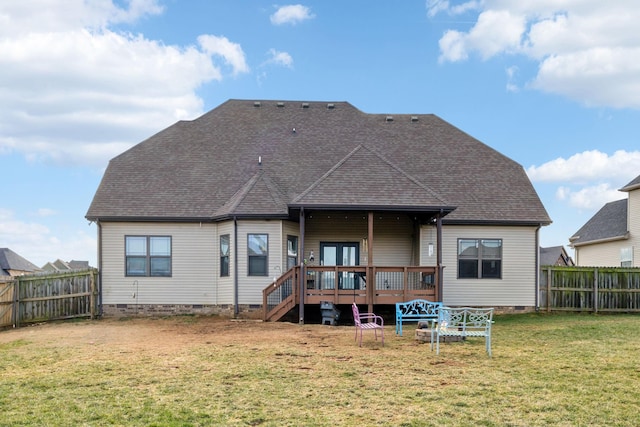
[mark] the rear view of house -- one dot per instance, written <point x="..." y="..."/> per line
<point x="262" y="207"/>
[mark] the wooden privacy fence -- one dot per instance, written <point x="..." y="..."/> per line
<point x="591" y="289"/>
<point x="48" y="296"/>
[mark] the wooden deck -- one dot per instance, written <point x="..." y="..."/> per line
<point x="364" y="285"/>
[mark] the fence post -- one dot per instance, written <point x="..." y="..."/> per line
<point x="595" y="290"/>
<point x="549" y="275"/>
<point x="16" y="303"/>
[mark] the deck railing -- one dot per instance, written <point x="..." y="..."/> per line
<point x="347" y="284"/>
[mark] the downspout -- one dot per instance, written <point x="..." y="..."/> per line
<point x="537" y="275"/>
<point x="99" y="232"/>
<point x="235" y="267"/>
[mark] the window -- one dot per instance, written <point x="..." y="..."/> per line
<point x="626" y="257"/>
<point x="224" y="255"/>
<point x="148" y="256"/>
<point x="258" y="250"/>
<point x="292" y="251"/>
<point x="479" y="258"/>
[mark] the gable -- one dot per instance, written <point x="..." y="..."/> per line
<point x="364" y="179"/>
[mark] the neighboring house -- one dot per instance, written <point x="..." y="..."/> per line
<point x="272" y="196"/>
<point x="60" y="265"/>
<point x="611" y="238"/>
<point x="12" y="264"/>
<point x="555" y="255"/>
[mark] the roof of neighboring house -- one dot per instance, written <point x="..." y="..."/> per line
<point x="9" y="260"/>
<point x="609" y="223"/>
<point x="551" y="255"/>
<point x="267" y="158"/>
<point x="634" y="184"/>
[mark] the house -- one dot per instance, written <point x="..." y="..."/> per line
<point x="611" y="238"/>
<point x="60" y="265"/>
<point x="555" y="255"/>
<point x="12" y="264"/>
<point x="259" y="207"/>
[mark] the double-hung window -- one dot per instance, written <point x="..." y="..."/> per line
<point x="292" y="251"/>
<point x="258" y="252"/>
<point x="224" y="255"/>
<point x="626" y="257"/>
<point x="148" y="256"/>
<point x="479" y="258"/>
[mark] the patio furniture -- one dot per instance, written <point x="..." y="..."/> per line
<point x="367" y="321"/>
<point x="417" y="310"/>
<point x="462" y="322"/>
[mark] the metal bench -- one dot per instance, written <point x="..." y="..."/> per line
<point x="367" y="321"/>
<point x="462" y="322"/>
<point x="416" y="311"/>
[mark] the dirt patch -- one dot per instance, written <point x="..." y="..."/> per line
<point x="166" y="335"/>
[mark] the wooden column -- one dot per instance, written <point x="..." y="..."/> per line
<point x="439" y="256"/>
<point x="303" y="270"/>
<point x="371" y="281"/>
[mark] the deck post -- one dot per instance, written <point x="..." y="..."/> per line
<point x="303" y="270"/>
<point x="370" y="274"/>
<point x="439" y="256"/>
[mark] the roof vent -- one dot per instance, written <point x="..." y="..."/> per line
<point x="305" y="105"/>
<point x="256" y="104"/>
<point x="414" y="119"/>
<point x="389" y="118"/>
<point x="331" y="106"/>
<point x="280" y="104"/>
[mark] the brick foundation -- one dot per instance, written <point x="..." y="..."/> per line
<point x="149" y="310"/>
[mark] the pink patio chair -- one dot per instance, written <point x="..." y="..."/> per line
<point x="367" y="321"/>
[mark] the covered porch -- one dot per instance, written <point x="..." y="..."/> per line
<point x="368" y="283"/>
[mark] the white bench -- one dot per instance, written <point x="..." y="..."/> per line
<point x="463" y="322"/>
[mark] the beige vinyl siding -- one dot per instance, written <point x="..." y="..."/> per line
<point x="634" y="225"/>
<point x="605" y="254"/>
<point x="428" y="235"/>
<point x="392" y="235"/>
<point x="193" y="264"/>
<point x="517" y="286"/>
<point x="250" y="287"/>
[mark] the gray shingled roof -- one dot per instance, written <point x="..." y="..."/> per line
<point x="551" y="255"/>
<point x="610" y="222"/>
<point x="9" y="260"/>
<point x="632" y="185"/>
<point x="313" y="154"/>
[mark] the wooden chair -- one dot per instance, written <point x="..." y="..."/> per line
<point x="367" y="321"/>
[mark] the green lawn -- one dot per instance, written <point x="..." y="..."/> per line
<point x="562" y="370"/>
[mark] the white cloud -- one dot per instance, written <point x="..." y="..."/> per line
<point x="587" y="50"/>
<point x="589" y="179"/>
<point x="291" y="14"/>
<point x="279" y="58"/>
<point x="588" y="166"/>
<point x="231" y="52"/>
<point x="75" y="91"/>
<point x="589" y="198"/>
<point x="36" y="242"/>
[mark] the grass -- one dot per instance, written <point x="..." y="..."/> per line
<point x="561" y="370"/>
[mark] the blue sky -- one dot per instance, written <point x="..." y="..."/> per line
<point x="554" y="85"/>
